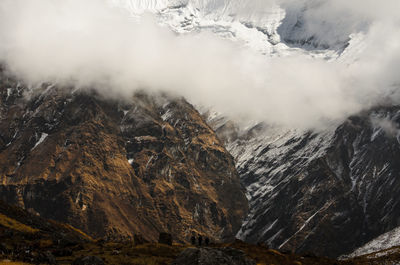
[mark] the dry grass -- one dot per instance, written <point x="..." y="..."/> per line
<point x="44" y="243"/>
<point x="6" y="262"/>
<point x="127" y="253"/>
<point x="82" y="234"/>
<point x="15" y="225"/>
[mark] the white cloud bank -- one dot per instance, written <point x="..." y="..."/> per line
<point x="89" y="44"/>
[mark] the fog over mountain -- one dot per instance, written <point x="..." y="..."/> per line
<point x="98" y="44"/>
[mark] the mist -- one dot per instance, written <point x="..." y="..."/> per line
<point x="90" y="44"/>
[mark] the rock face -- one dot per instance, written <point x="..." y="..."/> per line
<point x="165" y="238"/>
<point x="210" y="256"/>
<point x="326" y="192"/>
<point x="114" y="168"/>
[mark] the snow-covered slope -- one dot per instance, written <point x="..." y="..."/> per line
<point x="384" y="241"/>
<point x="327" y="192"/>
<point x="268" y="28"/>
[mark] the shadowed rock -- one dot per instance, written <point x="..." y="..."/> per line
<point x="89" y="260"/>
<point x="165" y="238"/>
<point x="210" y="256"/>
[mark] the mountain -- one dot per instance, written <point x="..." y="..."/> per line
<point x="151" y="163"/>
<point x="328" y="191"/>
<point x="269" y="28"/>
<point x="32" y="239"/>
<point x="115" y="168"/>
<point x="26" y="237"/>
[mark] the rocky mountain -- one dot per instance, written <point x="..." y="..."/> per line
<point x="115" y="168"/>
<point x="26" y="237"/>
<point x="151" y="163"/>
<point x="31" y="239"/>
<point x="328" y="191"/>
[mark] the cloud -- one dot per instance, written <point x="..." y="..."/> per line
<point x="90" y="44"/>
<point x="388" y="126"/>
<point x="331" y="21"/>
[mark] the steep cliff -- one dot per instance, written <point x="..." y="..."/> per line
<point x="328" y="191"/>
<point x="113" y="167"/>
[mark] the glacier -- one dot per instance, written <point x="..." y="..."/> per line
<point x="265" y="26"/>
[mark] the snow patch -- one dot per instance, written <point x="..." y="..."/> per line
<point x="384" y="241"/>
<point x="42" y="138"/>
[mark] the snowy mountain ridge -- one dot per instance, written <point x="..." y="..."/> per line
<point x="263" y="26"/>
<point x="328" y="191"/>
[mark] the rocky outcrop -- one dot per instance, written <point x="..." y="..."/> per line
<point x="326" y="192"/>
<point x="213" y="256"/>
<point x="115" y="168"/>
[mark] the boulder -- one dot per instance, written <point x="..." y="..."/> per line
<point x="165" y="238"/>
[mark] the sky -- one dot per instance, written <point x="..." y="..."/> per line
<point x="90" y="44"/>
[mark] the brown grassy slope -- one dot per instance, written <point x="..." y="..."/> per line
<point x="180" y="178"/>
<point x="21" y="221"/>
